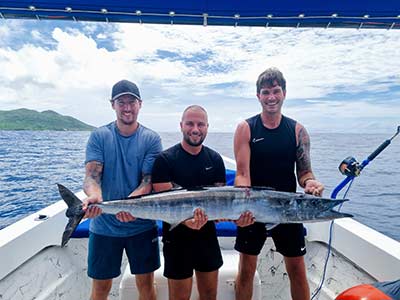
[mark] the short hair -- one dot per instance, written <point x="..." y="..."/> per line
<point x="194" y="107"/>
<point x="268" y="79"/>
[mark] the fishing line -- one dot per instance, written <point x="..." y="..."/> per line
<point x="351" y="168"/>
<point x="318" y="289"/>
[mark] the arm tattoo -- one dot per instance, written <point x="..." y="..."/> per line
<point x="94" y="171"/>
<point x="303" y="161"/>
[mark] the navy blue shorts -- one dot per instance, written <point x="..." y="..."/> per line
<point x="288" y="239"/>
<point x="105" y="254"/>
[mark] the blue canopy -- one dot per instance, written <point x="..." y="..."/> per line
<point x="384" y="14"/>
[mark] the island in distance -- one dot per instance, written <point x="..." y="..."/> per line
<point x="26" y="119"/>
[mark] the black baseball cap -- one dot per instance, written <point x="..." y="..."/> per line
<point x="125" y="87"/>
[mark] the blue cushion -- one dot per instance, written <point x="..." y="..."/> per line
<point x="223" y="229"/>
<point x="82" y="231"/>
<point x="230" y="176"/>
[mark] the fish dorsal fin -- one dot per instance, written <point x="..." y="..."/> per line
<point x="176" y="186"/>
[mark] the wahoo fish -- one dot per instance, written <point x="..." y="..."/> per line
<point x="176" y="206"/>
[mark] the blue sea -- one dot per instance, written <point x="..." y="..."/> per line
<point x="32" y="162"/>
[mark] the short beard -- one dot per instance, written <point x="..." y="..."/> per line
<point x="189" y="142"/>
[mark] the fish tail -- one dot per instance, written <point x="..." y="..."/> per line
<point x="74" y="212"/>
<point x="333" y="214"/>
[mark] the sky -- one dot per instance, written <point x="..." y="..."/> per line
<point x="338" y="80"/>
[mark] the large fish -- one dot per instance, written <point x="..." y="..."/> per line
<point x="267" y="206"/>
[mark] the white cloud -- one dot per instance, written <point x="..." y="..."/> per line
<point x="217" y="67"/>
<point x="4" y="32"/>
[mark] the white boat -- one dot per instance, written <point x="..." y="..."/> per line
<point x="34" y="266"/>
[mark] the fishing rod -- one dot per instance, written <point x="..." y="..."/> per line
<point x="351" y="168"/>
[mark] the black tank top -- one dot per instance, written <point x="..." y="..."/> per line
<point x="273" y="154"/>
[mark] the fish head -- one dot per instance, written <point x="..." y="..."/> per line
<point x="308" y="208"/>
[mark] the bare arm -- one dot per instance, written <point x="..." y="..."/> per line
<point x="305" y="176"/>
<point x="303" y="162"/>
<point x="92" y="188"/>
<point x="241" y="149"/>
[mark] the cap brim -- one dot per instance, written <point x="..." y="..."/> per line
<point x="125" y="93"/>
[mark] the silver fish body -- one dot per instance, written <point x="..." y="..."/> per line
<point x="267" y="206"/>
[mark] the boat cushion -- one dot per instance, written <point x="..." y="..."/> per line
<point x="227" y="229"/>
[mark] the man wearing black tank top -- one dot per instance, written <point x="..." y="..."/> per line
<point x="192" y="245"/>
<point x="272" y="150"/>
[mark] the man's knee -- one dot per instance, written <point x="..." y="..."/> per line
<point x="101" y="288"/>
<point x="176" y="294"/>
<point x="145" y="283"/>
<point x="296" y="268"/>
<point x="180" y="289"/>
<point x="208" y="293"/>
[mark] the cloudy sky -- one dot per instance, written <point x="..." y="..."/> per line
<point x="337" y="80"/>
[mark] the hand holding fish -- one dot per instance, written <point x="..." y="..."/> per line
<point x="124" y="216"/>
<point x="314" y="187"/>
<point x="93" y="210"/>
<point x="199" y="219"/>
<point x="245" y="219"/>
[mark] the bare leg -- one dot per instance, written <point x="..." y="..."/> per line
<point x="245" y="277"/>
<point x="180" y="289"/>
<point x="145" y="285"/>
<point x="100" y="289"/>
<point x="296" y="269"/>
<point x="207" y="283"/>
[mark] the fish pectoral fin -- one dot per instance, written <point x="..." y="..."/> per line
<point x="270" y="226"/>
<point x="173" y="226"/>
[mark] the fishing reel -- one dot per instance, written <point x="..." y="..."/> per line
<point x="350" y="167"/>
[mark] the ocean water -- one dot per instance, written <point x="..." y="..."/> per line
<point x="32" y="162"/>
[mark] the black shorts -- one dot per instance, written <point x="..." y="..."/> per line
<point x="184" y="253"/>
<point x="288" y="239"/>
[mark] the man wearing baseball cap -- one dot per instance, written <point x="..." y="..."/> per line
<point x="119" y="161"/>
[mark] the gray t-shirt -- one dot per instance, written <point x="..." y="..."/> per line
<point x="125" y="159"/>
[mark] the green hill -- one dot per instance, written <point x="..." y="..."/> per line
<point x="26" y="119"/>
